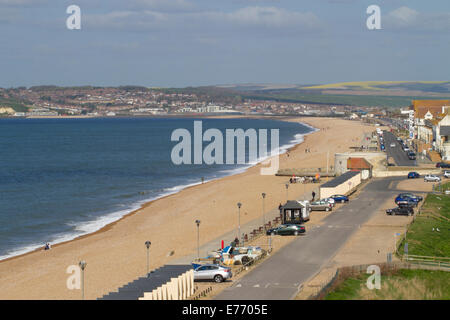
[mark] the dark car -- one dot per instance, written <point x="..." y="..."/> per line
<point x="340" y="198"/>
<point x="400" y="211"/>
<point x="411" y="156"/>
<point x="286" y="229"/>
<point x="442" y="165"/>
<point x="413" y="175"/>
<point x="407" y="199"/>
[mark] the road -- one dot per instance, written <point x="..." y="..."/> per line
<point x="280" y="277"/>
<point x="400" y="156"/>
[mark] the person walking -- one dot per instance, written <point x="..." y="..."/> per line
<point x="313" y="195"/>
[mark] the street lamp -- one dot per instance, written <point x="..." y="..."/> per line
<point x="82" y="265"/>
<point x="198" y="238"/>
<point x="263" y="212"/>
<point x="287" y="194"/>
<point x="148" y="244"/>
<point x="239" y="221"/>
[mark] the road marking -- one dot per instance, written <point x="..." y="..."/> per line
<point x="256" y="286"/>
<point x="238" y="285"/>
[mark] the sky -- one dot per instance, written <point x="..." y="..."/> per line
<point x="179" y="43"/>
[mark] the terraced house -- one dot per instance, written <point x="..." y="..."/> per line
<point x="431" y="127"/>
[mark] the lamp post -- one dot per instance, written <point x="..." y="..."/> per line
<point x="198" y="238"/>
<point x="239" y="221"/>
<point x="148" y="244"/>
<point x="287" y="190"/>
<point x="82" y="265"/>
<point x="263" y="212"/>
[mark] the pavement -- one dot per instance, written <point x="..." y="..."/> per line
<point x="400" y="156"/>
<point x="230" y="236"/>
<point x="281" y="276"/>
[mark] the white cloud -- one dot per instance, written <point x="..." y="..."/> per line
<point x="403" y="16"/>
<point x="126" y="20"/>
<point x="410" y="19"/>
<point x="169" y="5"/>
<point x="143" y="20"/>
<point x="272" y="17"/>
<point x="21" y="3"/>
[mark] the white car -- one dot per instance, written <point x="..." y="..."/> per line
<point x="432" y="178"/>
<point x="393" y="145"/>
<point x="447" y="173"/>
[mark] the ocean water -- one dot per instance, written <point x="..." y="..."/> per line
<point x="62" y="178"/>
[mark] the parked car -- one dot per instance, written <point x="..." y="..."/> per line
<point x="393" y="145"/>
<point x="400" y="211"/>
<point x="413" y="175"/>
<point x="287" y="229"/>
<point x="339" y="198"/>
<point x="432" y="178"/>
<point x="320" y="205"/>
<point x="214" y="272"/>
<point x="407" y="199"/>
<point x="447" y="173"/>
<point x="412" y="196"/>
<point x="405" y="148"/>
<point x="411" y="155"/>
<point x="442" y="165"/>
<point x="231" y="254"/>
<point x="330" y="200"/>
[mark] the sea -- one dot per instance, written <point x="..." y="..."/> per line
<point x="63" y="178"/>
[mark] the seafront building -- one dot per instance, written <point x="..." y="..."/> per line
<point x="430" y="128"/>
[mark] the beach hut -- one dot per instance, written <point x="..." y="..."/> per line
<point x="296" y="212"/>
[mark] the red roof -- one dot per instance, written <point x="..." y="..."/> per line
<point x="358" y="163"/>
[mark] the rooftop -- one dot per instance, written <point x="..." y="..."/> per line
<point x="341" y="179"/>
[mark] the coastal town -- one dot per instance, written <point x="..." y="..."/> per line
<point x="128" y="101"/>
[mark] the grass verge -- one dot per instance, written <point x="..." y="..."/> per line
<point x="429" y="234"/>
<point x="402" y="284"/>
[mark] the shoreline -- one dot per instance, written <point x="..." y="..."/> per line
<point x="116" y="253"/>
<point x="140" y="205"/>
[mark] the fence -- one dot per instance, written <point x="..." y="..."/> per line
<point x="202" y="294"/>
<point x="440" y="262"/>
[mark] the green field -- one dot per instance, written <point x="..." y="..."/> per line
<point x="422" y="237"/>
<point x="439" y="86"/>
<point x="399" y="285"/>
<point x="343" y="99"/>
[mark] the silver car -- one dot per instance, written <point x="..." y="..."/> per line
<point x="432" y="178"/>
<point x="214" y="272"/>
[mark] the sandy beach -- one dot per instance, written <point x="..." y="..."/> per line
<point x="116" y="254"/>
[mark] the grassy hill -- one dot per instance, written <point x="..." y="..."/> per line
<point x="18" y="106"/>
<point x="426" y="86"/>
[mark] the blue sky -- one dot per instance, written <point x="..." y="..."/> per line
<point x="205" y="42"/>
